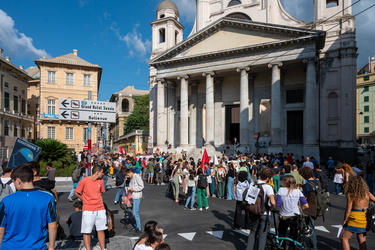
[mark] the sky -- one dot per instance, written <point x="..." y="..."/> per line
<point x="116" y="34"/>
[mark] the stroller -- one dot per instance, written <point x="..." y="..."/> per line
<point x="274" y="241"/>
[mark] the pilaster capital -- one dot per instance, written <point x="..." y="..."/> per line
<point x="211" y="73"/>
<point x="161" y="80"/>
<point x="247" y="69"/>
<point x="218" y="80"/>
<point x="278" y="64"/>
<point x="194" y="83"/>
<point x="310" y="60"/>
<point x="186" y="77"/>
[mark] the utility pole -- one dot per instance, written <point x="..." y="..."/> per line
<point x="89" y="140"/>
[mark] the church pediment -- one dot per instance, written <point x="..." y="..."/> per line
<point x="228" y="36"/>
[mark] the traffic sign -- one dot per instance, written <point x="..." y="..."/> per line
<point x="87" y="105"/>
<point x="87" y="110"/>
<point x="87" y="116"/>
<point x="134" y="145"/>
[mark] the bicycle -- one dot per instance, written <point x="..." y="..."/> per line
<point x="274" y="241"/>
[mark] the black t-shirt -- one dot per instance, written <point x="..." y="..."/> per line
<point x="75" y="222"/>
<point x="276" y="170"/>
<point x="255" y="169"/>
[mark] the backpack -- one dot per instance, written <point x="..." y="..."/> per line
<point x="322" y="200"/>
<point x="202" y="181"/>
<point x="5" y="189"/>
<point x="259" y="207"/>
<point x="157" y="167"/>
<point x="370" y="215"/>
<point x="76" y="173"/>
<point x="120" y="179"/>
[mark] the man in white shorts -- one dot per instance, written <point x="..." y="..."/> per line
<point x="90" y="190"/>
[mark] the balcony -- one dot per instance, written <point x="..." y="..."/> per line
<point x="16" y="114"/>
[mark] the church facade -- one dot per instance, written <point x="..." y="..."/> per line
<point x="252" y="75"/>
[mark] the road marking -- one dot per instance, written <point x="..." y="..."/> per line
<point x="336" y="226"/>
<point x="321" y="228"/>
<point x="217" y="234"/>
<point x="188" y="236"/>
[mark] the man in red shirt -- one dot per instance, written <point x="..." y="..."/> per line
<point x="90" y="190"/>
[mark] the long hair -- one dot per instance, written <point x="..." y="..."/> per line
<point x="356" y="189"/>
<point x="347" y="168"/>
<point x="290" y="183"/>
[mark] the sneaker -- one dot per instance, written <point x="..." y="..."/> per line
<point x="132" y="230"/>
<point x="158" y="184"/>
<point x="70" y="199"/>
<point x="162" y="184"/>
<point x="115" y="202"/>
<point x="185" y="208"/>
<point x="213" y="196"/>
<point x="137" y="232"/>
<point x="200" y="209"/>
<point x="193" y="208"/>
<point x="206" y="207"/>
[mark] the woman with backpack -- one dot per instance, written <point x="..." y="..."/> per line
<point x="288" y="199"/>
<point x="201" y="190"/>
<point x="358" y="199"/>
<point x="242" y="185"/>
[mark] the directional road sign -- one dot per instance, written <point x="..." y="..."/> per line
<point x="87" y="105"/>
<point x="88" y="116"/>
<point x="86" y="110"/>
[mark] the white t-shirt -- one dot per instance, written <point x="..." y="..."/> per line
<point x="289" y="205"/>
<point x="142" y="247"/>
<point x="5" y="180"/>
<point x="268" y="191"/>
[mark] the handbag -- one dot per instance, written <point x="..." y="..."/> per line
<point x="127" y="199"/>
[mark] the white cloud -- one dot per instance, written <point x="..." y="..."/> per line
<point x="135" y="43"/>
<point x="15" y="43"/>
<point x="187" y="10"/>
<point x="83" y="2"/>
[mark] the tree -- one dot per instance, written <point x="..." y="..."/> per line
<point x="139" y="118"/>
<point x="58" y="153"/>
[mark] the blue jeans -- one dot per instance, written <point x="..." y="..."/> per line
<point x="311" y="222"/>
<point x="105" y="179"/>
<point x="230" y="188"/>
<point x="191" y="198"/>
<point x="135" y="211"/>
<point x="338" y="188"/>
<point x="120" y="192"/>
<point x="212" y="186"/>
<point x="258" y="234"/>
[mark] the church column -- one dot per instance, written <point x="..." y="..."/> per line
<point x="276" y="107"/>
<point x="171" y="113"/>
<point x="193" y="113"/>
<point x="311" y="109"/>
<point x="184" y="111"/>
<point x="253" y="111"/>
<point x="210" y="115"/>
<point x="161" y="126"/>
<point x="244" y="106"/>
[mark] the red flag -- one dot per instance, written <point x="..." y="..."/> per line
<point x="122" y="151"/>
<point x="204" y="159"/>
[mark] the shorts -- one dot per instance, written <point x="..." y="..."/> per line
<point x="151" y="174"/>
<point x="91" y="218"/>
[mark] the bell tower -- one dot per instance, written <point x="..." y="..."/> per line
<point x="167" y="31"/>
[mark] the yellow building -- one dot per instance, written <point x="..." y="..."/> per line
<point x="366" y="104"/>
<point x="125" y="105"/>
<point x="66" y="76"/>
<point x="14" y="118"/>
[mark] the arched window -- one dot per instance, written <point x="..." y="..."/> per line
<point x="333" y="105"/>
<point x="125" y="105"/>
<point x="239" y="15"/>
<point x="234" y="2"/>
<point x="162" y="35"/>
<point x="332" y="3"/>
<point x="175" y="37"/>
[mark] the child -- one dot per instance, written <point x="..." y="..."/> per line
<point x="74" y="222"/>
<point x="163" y="246"/>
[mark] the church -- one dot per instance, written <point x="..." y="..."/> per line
<point x="253" y="76"/>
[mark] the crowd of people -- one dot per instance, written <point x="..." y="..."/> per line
<point x="285" y="184"/>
